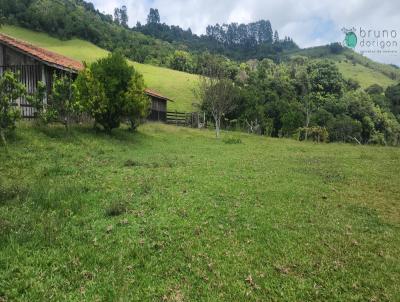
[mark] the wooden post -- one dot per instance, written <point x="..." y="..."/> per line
<point x="4" y="57"/>
<point x="44" y="82"/>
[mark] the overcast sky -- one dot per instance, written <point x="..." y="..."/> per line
<point x="308" y="22"/>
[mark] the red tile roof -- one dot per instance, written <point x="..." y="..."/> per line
<point x="46" y="56"/>
<point x="157" y="95"/>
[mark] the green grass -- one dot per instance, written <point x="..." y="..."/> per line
<point x="171" y="214"/>
<point x="176" y="85"/>
<point x="364" y="75"/>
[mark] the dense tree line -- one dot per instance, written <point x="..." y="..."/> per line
<point x="246" y="35"/>
<point x="311" y="100"/>
<point x="236" y="41"/>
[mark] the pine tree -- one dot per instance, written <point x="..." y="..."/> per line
<point x="153" y="17"/>
<point x="124" y="16"/>
<point x="276" y="37"/>
<point x="117" y="16"/>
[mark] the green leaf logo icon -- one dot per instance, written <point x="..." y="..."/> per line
<point x="351" y="39"/>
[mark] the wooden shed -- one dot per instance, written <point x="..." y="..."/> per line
<point x="33" y="64"/>
<point x="159" y="105"/>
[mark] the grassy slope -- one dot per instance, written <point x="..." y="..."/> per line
<point x="365" y="71"/>
<point x="364" y="75"/>
<point x="172" y="214"/>
<point x="174" y="84"/>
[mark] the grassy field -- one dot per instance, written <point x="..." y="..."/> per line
<point x="365" y="76"/>
<point x="171" y="214"/>
<point x="176" y="85"/>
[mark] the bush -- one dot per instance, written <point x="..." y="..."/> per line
<point x="10" y="90"/>
<point x="111" y="90"/>
<point x="63" y="99"/>
<point x="377" y="139"/>
<point x="139" y="104"/>
<point x="374" y="89"/>
<point x="43" y="112"/>
<point x="344" y="128"/>
<point x="316" y="134"/>
<point x="232" y="140"/>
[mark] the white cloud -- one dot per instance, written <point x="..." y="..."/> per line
<point x="308" y="22"/>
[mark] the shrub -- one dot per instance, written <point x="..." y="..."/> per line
<point x="374" y="89"/>
<point x="377" y="139"/>
<point x="111" y="90"/>
<point x="10" y="90"/>
<point x="344" y="128"/>
<point x="138" y="105"/>
<point x="232" y="140"/>
<point x="316" y="134"/>
<point x="43" y="112"/>
<point x="63" y="99"/>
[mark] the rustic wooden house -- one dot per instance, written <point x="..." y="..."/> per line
<point x="159" y="105"/>
<point x="33" y="64"/>
<point x="36" y="64"/>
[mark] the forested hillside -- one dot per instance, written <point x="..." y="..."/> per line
<point x="236" y="41"/>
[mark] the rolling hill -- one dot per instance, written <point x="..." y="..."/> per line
<point x="355" y="66"/>
<point x="176" y="85"/>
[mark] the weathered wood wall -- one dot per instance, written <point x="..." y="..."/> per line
<point x="30" y="71"/>
<point x="158" y="110"/>
<point x="158" y="104"/>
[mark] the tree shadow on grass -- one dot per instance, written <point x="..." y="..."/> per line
<point x="78" y="133"/>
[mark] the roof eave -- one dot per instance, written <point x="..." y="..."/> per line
<point x="68" y="69"/>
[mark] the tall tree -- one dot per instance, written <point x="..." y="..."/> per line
<point x="393" y="94"/>
<point x="2" y="18"/>
<point x="276" y="37"/>
<point x="117" y="15"/>
<point x="153" y="17"/>
<point x="124" y="16"/>
<point x="325" y="78"/>
<point x="10" y="90"/>
<point x="217" y="93"/>
<point x="303" y="81"/>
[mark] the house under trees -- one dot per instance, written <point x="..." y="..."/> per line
<point x="35" y="64"/>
